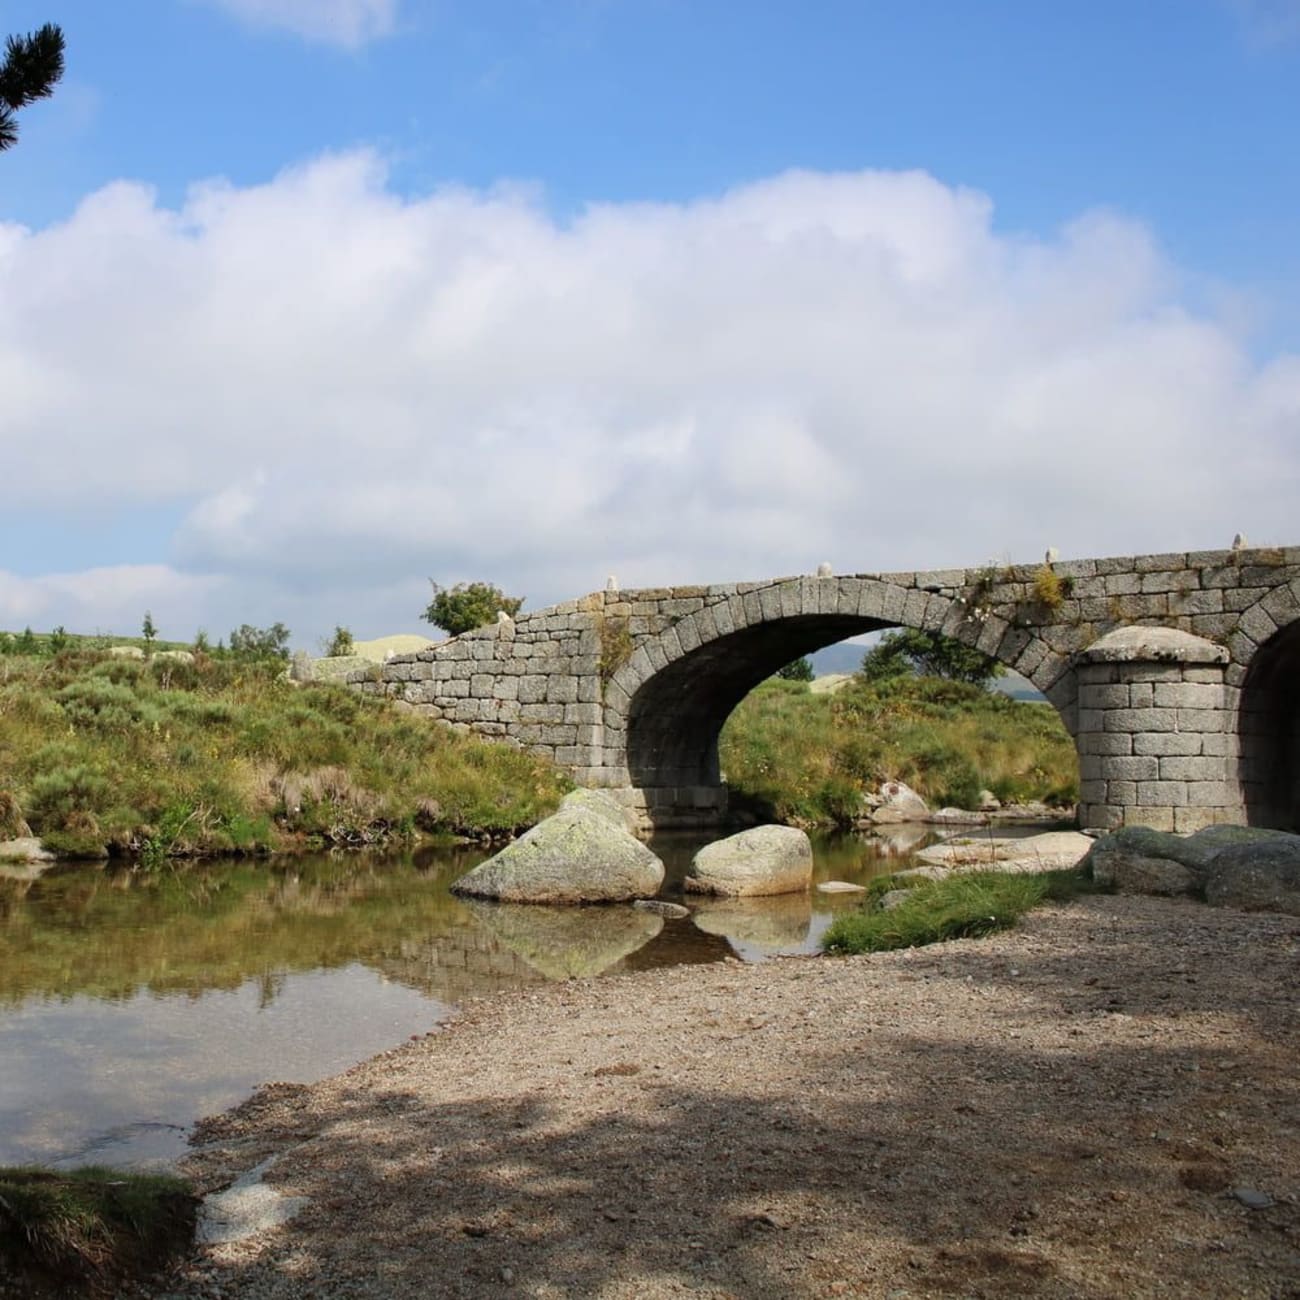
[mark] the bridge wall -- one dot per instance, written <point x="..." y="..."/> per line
<point x="629" y="689"/>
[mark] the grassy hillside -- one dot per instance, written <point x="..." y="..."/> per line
<point x="160" y="758"/>
<point x="808" y="758"/>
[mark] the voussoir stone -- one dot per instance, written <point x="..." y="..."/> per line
<point x="578" y="855"/>
<point x="1263" y="876"/>
<point x="763" y="860"/>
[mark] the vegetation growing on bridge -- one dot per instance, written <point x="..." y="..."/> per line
<point x="167" y="758"/>
<point x="807" y="759"/>
<point x="468" y="605"/>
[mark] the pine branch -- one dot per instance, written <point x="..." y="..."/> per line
<point x="31" y="66"/>
<point x="8" y="128"/>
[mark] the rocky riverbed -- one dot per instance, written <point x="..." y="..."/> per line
<point x="1101" y="1102"/>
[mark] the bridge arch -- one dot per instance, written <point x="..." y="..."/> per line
<point x="665" y="709"/>
<point x="1268" y="732"/>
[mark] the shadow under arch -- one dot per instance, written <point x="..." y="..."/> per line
<point x="1269" y="733"/>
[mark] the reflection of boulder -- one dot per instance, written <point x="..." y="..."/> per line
<point x="772" y="924"/>
<point x="578" y="855"/>
<point x="563" y="942"/>
<point x="765" y="860"/>
<point x="898" y="841"/>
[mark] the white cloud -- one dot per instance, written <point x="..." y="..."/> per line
<point x="107" y="600"/>
<point x="348" y="390"/>
<point x="347" y="23"/>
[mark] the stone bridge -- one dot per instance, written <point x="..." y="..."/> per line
<point x="1178" y="676"/>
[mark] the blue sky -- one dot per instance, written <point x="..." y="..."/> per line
<point x="305" y="301"/>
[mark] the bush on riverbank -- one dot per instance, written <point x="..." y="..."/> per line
<point x="807" y="758"/>
<point x="168" y="758"/>
<point x="89" y="1227"/>
<point x="959" y="907"/>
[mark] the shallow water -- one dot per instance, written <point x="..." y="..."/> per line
<point x="130" y="1005"/>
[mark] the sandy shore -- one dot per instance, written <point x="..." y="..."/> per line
<point x="1062" y="1110"/>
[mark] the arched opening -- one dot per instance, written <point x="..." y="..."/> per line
<point x="1269" y="732"/>
<point x="676" y="716"/>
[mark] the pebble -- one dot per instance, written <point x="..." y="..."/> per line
<point x="1252" y="1199"/>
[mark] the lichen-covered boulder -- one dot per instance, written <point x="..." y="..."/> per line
<point x="1232" y="866"/>
<point x="1262" y="876"/>
<point x="1138" y="860"/>
<point x="764" y="860"/>
<point x="578" y="855"/>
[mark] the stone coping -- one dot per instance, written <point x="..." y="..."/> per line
<point x="1153" y="645"/>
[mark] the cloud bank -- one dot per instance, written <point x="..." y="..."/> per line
<point x="346" y="23"/>
<point x="345" y="390"/>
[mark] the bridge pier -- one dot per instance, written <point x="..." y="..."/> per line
<point x="1156" y="732"/>
<point x="672" y="807"/>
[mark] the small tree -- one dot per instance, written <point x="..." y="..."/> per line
<point x="800" y="670"/>
<point x="339" y="644"/>
<point x="32" y="64"/>
<point x="248" y="642"/>
<point x="148" y="632"/>
<point x="908" y="651"/>
<point x="58" y="640"/>
<point x="468" y="605"/>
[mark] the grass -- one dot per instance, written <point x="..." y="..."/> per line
<point x="959" y="907"/>
<point x="806" y="759"/>
<point x="91" y="1225"/>
<point x="159" y="759"/>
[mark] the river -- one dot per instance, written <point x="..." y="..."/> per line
<point x="131" y="1004"/>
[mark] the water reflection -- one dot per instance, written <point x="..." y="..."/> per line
<point x="567" y="942"/>
<point x="767" y="925"/>
<point x="131" y="1004"/>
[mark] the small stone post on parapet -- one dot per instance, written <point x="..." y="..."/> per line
<point x="1156" y="732"/>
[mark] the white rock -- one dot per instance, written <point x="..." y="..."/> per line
<point x="248" y="1206"/>
<point x="764" y="860"/>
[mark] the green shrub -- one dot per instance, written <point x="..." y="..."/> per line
<point x="98" y="702"/>
<point x="468" y="605"/>
<point x="55" y="796"/>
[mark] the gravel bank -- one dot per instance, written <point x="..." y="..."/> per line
<point x="1061" y="1110"/>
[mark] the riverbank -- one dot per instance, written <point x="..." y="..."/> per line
<point x="1063" y="1110"/>
<point x="182" y="757"/>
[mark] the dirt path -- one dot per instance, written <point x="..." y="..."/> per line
<point x="1062" y="1110"/>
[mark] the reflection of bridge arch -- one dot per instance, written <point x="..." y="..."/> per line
<point x="681" y="686"/>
